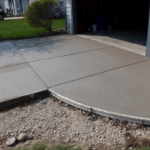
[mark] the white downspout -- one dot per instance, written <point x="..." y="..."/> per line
<point x="12" y="5"/>
<point x="15" y="8"/>
<point x="23" y="7"/>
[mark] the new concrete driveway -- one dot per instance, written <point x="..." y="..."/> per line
<point x="82" y="72"/>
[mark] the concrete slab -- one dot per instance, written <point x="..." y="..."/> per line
<point x="50" y="47"/>
<point x="65" y="69"/>
<point x="133" y="41"/>
<point x="9" y="55"/>
<point x="122" y="91"/>
<point x="109" y="79"/>
<point x="17" y="81"/>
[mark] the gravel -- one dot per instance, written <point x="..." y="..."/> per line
<point x="52" y="119"/>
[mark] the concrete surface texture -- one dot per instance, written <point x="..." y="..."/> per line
<point x="133" y="41"/>
<point x="91" y="73"/>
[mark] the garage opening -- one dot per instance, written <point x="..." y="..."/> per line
<point x="124" y="20"/>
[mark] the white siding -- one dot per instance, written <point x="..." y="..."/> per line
<point x="2" y="4"/>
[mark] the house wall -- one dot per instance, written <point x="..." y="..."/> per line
<point x="24" y="5"/>
<point x="2" y="4"/>
<point x="31" y="1"/>
<point x="62" y="6"/>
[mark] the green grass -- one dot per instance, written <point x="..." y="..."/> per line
<point x="42" y="146"/>
<point x="10" y="29"/>
<point x="60" y="146"/>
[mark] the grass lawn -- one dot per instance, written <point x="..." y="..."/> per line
<point x="10" y="29"/>
<point x="42" y="146"/>
<point x="60" y="146"/>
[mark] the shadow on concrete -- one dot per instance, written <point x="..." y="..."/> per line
<point x="132" y="36"/>
<point x="39" y="41"/>
<point x="7" y="48"/>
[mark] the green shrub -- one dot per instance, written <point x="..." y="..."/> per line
<point x="41" y="14"/>
<point x="22" y="15"/>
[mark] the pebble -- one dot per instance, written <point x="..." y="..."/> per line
<point x="22" y="137"/>
<point x="11" y="141"/>
<point x="138" y="134"/>
<point x="66" y="105"/>
<point x="75" y="147"/>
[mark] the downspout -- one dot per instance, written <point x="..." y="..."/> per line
<point x="15" y="8"/>
<point x="72" y="15"/>
<point x="148" y="35"/>
<point x="23" y="7"/>
<point x="65" y="14"/>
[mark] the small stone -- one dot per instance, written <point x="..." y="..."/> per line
<point x="60" y="102"/>
<point x="106" y="119"/>
<point x="84" y="113"/>
<point x="66" y="105"/>
<point x="22" y="136"/>
<point x="11" y="141"/>
<point x="30" y="137"/>
<point x="138" y="134"/>
<point x="94" y="116"/>
<point x="75" y="147"/>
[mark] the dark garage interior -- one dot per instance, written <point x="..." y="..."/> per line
<point x="112" y="14"/>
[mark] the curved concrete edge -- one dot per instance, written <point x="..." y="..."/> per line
<point x="98" y="111"/>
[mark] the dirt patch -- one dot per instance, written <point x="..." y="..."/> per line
<point x="135" y="142"/>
